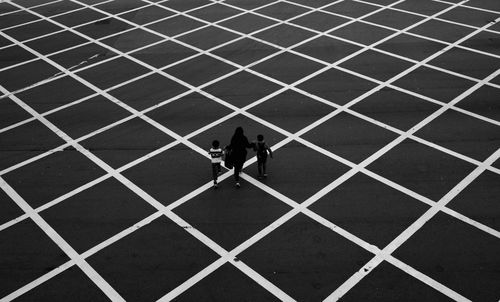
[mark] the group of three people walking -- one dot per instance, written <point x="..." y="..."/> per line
<point x="235" y="155"/>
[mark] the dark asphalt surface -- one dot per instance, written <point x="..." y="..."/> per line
<point x="383" y="117"/>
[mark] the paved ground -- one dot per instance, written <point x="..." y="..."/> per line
<point x="383" y="116"/>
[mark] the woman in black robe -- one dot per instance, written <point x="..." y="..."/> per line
<point x="238" y="147"/>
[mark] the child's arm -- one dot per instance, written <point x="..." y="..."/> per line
<point x="270" y="151"/>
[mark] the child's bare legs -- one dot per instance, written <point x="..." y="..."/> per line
<point x="261" y="166"/>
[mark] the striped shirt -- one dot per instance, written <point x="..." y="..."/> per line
<point x="216" y="155"/>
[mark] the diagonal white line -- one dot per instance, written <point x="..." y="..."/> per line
<point x="336" y="63"/>
<point x="451" y="293"/>
<point x="37" y="20"/>
<point x="145" y="65"/>
<point x="116" y="34"/>
<point x="422" y="15"/>
<point x="472" y="7"/>
<point x="368" y="267"/>
<point x="353" y="43"/>
<point x="471" y="222"/>
<point x="38" y="281"/>
<point x="135" y="26"/>
<point x="424" y="218"/>
<point x="36" y="6"/>
<point x="84" y="255"/>
<point x="426" y="279"/>
<point x="434" y="17"/>
<point x="261" y="281"/>
<point x="361" y="19"/>
<point x="141" y="193"/>
<point x="403" y="237"/>
<point x="63" y="245"/>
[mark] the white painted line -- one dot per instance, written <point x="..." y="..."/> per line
<point x="434" y="17"/>
<point x="193" y="280"/>
<point x="472" y="7"/>
<point x="53" y="16"/>
<point x="84" y="255"/>
<point x="18" y="124"/>
<point x="17" y="64"/>
<point x="19" y="10"/>
<point x="8" y="224"/>
<point x="365" y="269"/>
<point x="33" y="159"/>
<point x="39" y="83"/>
<point x="233" y="40"/>
<point x="19" y="292"/>
<point x="426" y="279"/>
<point x="135" y="26"/>
<point x="261" y="281"/>
<point x="426" y="98"/>
<point x="227" y="257"/>
<point x="422" y="15"/>
<point x="88" y="84"/>
<point x="389" y="28"/>
<point x="63" y="245"/>
<point x="403" y="237"/>
<point x="426" y="216"/>
<point x="78" y="26"/>
<point x="371" y="47"/>
<point x="471" y="222"/>
<point x="134" y="188"/>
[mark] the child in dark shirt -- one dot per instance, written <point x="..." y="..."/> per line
<point x="262" y="150"/>
<point x="216" y="154"/>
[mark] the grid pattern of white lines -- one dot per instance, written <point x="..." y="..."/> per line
<point x="226" y="256"/>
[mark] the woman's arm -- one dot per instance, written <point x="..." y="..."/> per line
<point x="248" y="144"/>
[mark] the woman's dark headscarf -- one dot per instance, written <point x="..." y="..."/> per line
<point x="238" y="132"/>
<point x="239" y="141"/>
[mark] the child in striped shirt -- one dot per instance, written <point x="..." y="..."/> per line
<point x="216" y="154"/>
